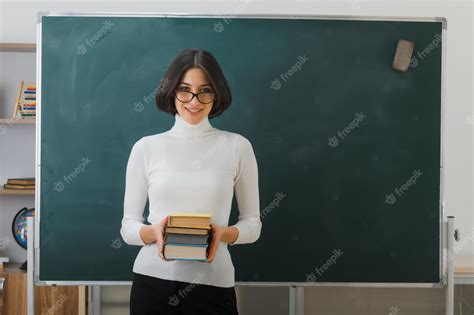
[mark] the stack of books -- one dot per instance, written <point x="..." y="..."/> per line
<point x="25" y="107"/>
<point x="187" y="236"/>
<point x="20" y="183"/>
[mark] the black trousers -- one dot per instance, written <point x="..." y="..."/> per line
<point x="151" y="295"/>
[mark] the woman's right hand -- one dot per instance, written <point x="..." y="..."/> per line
<point x="160" y="236"/>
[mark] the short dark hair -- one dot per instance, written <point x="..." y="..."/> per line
<point x="188" y="59"/>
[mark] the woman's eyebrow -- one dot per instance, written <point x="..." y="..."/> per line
<point x="190" y="84"/>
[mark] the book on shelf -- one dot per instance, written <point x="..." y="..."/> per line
<point x="20" y="183"/>
<point x="9" y="186"/>
<point x="25" y="105"/>
<point x="187" y="236"/>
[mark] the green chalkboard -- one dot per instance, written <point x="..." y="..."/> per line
<point x="348" y="149"/>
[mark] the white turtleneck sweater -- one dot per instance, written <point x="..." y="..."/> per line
<point x="191" y="168"/>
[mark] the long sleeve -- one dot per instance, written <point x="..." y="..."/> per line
<point x="247" y="193"/>
<point x="136" y="194"/>
<point x="191" y="168"/>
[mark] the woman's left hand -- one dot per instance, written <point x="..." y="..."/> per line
<point x="216" y="236"/>
<point x="220" y="234"/>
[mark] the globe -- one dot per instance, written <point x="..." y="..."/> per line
<point x="19" y="226"/>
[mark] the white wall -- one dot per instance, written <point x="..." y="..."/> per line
<point x="17" y="147"/>
<point x="16" y="160"/>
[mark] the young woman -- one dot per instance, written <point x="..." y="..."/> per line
<point x="193" y="167"/>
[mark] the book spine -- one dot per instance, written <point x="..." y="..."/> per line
<point x="187" y="245"/>
<point x="189" y="227"/>
<point x="188" y="259"/>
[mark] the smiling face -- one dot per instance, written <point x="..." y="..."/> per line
<point x="194" y="80"/>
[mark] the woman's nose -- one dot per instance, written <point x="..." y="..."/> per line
<point x="195" y="101"/>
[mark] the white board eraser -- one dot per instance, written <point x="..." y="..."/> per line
<point x="403" y="55"/>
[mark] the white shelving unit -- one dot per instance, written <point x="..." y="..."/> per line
<point x="17" y="141"/>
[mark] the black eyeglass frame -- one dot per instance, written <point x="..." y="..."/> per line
<point x="195" y="94"/>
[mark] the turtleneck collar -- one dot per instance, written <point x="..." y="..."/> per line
<point x="182" y="128"/>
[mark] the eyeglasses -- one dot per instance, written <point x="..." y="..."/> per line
<point x="187" y="96"/>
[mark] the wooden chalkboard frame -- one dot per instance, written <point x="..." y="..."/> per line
<point x="37" y="218"/>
